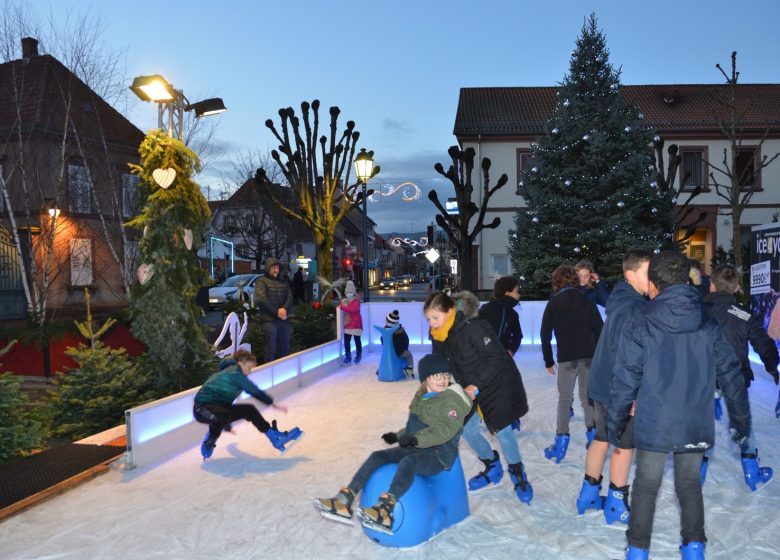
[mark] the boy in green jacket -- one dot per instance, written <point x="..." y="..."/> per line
<point x="214" y="404"/>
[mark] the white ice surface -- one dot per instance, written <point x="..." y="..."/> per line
<point x="250" y="502"/>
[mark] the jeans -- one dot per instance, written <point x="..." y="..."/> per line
<point x="217" y="417"/>
<point x="348" y="345"/>
<point x="411" y="461"/>
<point x="568" y="374"/>
<point x="472" y="433"/>
<point x="277" y="339"/>
<point x="647" y="480"/>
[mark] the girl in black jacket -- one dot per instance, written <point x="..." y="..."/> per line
<point x="490" y="377"/>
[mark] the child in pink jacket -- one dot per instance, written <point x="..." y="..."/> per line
<point x="353" y="323"/>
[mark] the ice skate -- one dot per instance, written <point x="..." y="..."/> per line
<point x="523" y="489"/>
<point x="516" y="425"/>
<point x="754" y="474"/>
<point x="616" y="505"/>
<point x="338" y="508"/>
<point x="590" y="495"/>
<point x="492" y="474"/>
<point x="358" y="356"/>
<point x="283" y="440"/>
<point x="692" y="551"/>
<point x="718" y="409"/>
<point x="207" y="447"/>
<point x="347" y="359"/>
<point x="379" y="517"/>
<point x="634" y="553"/>
<point x="557" y="450"/>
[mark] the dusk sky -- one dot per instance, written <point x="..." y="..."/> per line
<point x="396" y="68"/>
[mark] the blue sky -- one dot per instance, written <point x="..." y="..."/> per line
<point x="396" y="67"/>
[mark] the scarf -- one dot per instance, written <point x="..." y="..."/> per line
<point x="440" y="334"/>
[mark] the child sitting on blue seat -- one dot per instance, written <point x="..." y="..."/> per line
<point x="400" y="342"/>
<point x="427" y="446"/>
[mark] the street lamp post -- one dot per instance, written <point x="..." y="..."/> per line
<point x="172" y="102"/>
<point x="364" y="168"/>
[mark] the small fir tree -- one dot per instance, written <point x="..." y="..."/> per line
<point x="173" y="220"/>
<point x="590" y="188"/>
<point x="94" y="396"/>
<point x="21" y="424"/>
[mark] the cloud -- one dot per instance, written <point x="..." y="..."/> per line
<point x="395" y="126"/>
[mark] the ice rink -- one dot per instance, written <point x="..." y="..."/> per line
<point x="249" y="502"/>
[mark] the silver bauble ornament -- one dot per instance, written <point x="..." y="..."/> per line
<point x="653" y="184"/>
<point x="567" y="182"/>
<point x="656" y="250"/>
<point x="557" y="245"/>
<point x="576" y="249"/>
<point x="554" y="131"/>
<point x="656" y="138"/>
<point x="613" y="87"/>
<point x="621" y="204"/>
<point x="534" y="169"/>
<point x="627" y="129"/>
<point x="654" y="210"/>
<point x="535" y="220"/>
<point x="586" y="137"/>
<point x="641" y="116"/>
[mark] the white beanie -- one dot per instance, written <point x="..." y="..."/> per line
<point x="350" y="289"/>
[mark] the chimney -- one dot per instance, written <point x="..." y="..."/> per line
<point x="29" y="47"/>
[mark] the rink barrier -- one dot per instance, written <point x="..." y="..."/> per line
<point x="164" y="427"/>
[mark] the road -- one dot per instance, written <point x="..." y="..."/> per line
<point x="414" y="292"/>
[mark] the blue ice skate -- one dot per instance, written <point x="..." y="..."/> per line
<point x="571" y="412"/>
<point x="357" y="358"/>
<point x="207" y="447"/>
<point x="692" y="551"/>
<point x="590" y="433"/>
<point x="634" y="553"/>
<point x="590" y="495"/>
<point x="523" y="489"/>
<point x="718" y="409"/>
<point x="347" y="359"/>
<point x="616" y="505"/>
<point x="492" y="474"/>
<point x="283" y="441"/>
<point x="558" y="449"/>
<point x="754" y="474"/>
<point x="516" y="425"/>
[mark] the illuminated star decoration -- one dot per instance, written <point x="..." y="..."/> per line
<point x="409" y="191"/>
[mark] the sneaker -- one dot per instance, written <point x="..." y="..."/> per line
<point x="379" y="517"/>
<point x="338" y="508"/>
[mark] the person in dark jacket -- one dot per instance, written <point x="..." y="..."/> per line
<point x="214" y="404"/>
<point x="490" y="377"/>
<point x="427" y="446"/>
<point x="698" y="279"/>
<point x="299" y="295"/>
<point x="274" y="300"/>
<point x="627" y="299"/>
<point x="577" y="325"/>
<point x="400" y="342"/>
<point x="590" y="284"/>
<point x="500" y="313"/>
<point x="668" y="360"/>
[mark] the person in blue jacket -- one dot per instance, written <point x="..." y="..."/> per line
<point x="594" y="288"/>
<point x="668" y="361"/>
<point x="214" y="404"/>
<point x="627" y="299"/>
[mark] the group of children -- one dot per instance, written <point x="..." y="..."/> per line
<point x="647" y="380"/>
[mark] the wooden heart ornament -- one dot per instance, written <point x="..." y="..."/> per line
<point x="145" y="272"/>
<point x="188" y="239"/>
<point x="164" y="177"/>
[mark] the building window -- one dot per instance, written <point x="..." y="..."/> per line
<point x="80" y="262"/>
<point x="79" y="189"/>
<point x="523" y="161"/>
<point x="747" y="168"/>
<point x="229" y="221"/>
<point x="129" y="195"/>
<point x="500" y="265"/>
<point x="131" y="260"/>
<point x="693" y="165"/>
<point x="399" y="258"/>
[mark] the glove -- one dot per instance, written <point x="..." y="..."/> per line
<point x="390" y="437"/>
<point x="407" y="441"/>
<point x="775" y="376"/>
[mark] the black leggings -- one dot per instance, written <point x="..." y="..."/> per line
<point x="217" y="417"/>
<point x="348" y="346"/>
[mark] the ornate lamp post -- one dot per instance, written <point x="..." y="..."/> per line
<point x="364" y="168"/>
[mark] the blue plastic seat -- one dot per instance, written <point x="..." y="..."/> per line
<point x="431" y="505"/>
<point x="391" y="367"/>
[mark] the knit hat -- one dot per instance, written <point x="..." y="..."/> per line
<point x="432" y="363"/>
<point x="392" y="318"/>
<point x="350" y="290"/>
<point x="271" y="261"/>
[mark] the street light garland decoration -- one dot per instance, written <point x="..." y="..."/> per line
<point x="409" y="192"/>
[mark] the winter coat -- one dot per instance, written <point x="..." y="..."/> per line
<point x="739" y="326"/>
<point x="669" y="357"/>
<point x="623" y="303"/>
<point x="400" y="341"/>
<point x="353" y="321"/>
<point x="478" y="358"/>
<point x="500" y="313"/>
<point x="577" y="325"/>
<point x="272" y="294"/>
<point x="436" y="420"/>
<point x="223" y="387"/>
<point x="598" y="294"/>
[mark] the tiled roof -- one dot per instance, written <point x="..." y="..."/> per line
<point x="35" y="85"/>
<point x="518" y="111"/>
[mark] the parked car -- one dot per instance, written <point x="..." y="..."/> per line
<point x="405" y="280"/>
<point x="388" y="284"/>
<point x="229" y="289"/>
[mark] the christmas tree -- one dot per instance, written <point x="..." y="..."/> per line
<point x="590" y="188"/>
<point x="174" y="221"/>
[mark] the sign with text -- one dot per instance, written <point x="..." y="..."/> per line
<point x="765" y="276"/>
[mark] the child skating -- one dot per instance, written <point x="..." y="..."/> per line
<point x="400" y="342"/>
<point x="426" y="446"/>
<point x="214" y="404"/>
<point x="353" y="323"/>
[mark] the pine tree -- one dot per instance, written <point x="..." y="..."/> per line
<point x="174" y="220"/>
<point x="590" y="187"/>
